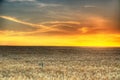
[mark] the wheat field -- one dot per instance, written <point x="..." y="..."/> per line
<point x="59" y="63"/>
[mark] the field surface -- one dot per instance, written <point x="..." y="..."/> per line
<point x="59" y="63"/>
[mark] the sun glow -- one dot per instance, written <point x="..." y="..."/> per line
<point x="99" y="40"/>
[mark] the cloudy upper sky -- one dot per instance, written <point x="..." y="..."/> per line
<point x="60" y="22"/>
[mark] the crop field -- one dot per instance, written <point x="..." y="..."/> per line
<point x="59" y="63"/>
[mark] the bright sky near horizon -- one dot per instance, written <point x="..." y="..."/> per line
<point x="60" y="23"/>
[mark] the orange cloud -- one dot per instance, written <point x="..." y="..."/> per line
<point x="61" y="22"/>
<point x="94" y="31"/>
<point x="92" y="25"/>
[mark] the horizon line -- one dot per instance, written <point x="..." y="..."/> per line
<point x="57" y="46"/>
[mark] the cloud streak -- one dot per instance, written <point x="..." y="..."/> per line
<point x="91" y="25"/>
<point x="21" y="0"/>
<point x="89" y="6"/>
<point x="21" y="22"/>
<point x="61" y="22"/>
<point x="39" y="27"/>
<point x="40" y="5"/>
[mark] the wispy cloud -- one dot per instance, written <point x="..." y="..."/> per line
<point x="39" y="27"/>
<point x="11" y="33"/>
<point x="21" y="22"/>
<point x="89" y="6"/>
<point x="20" y="0"/>
<point x="36" y="3"/>
<point x="90" y="26"/>
<point x="39" y="5"/>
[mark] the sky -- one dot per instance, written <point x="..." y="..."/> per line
<point x="60" y="23"/>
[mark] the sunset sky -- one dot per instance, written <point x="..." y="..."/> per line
<point x="60" y="23"/>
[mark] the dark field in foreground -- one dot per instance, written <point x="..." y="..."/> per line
<point x="59" y="63"/>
